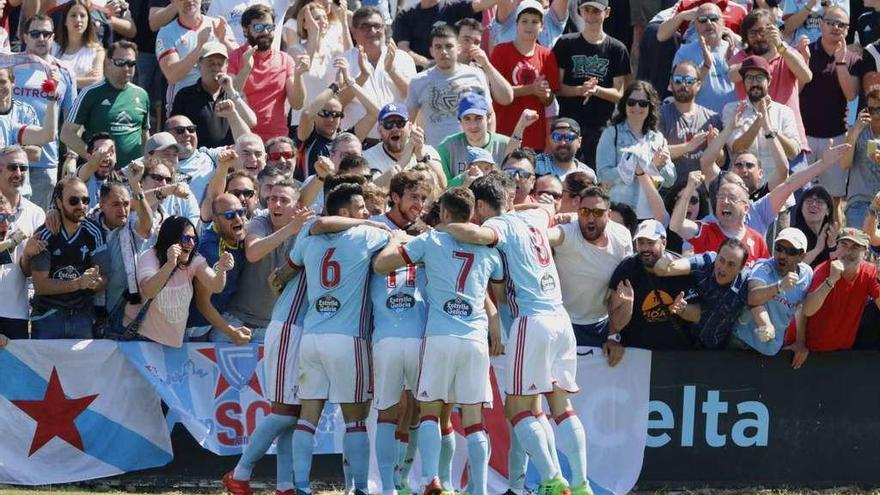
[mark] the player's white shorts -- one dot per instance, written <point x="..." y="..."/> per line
<point x="395" y="368"/>
<point x="541" y="351"/>
<point x="334" y="367"/>
<point x="454" y="370"/>
<point x="280" y="363"/>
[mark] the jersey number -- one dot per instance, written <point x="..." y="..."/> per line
<point x="467" y="260"/>
<point x="540" y="245"/>
<point x="330" y="270"/>
<point x="410" y="277"/>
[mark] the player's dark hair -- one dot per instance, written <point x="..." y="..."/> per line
<point x="491" y="190"/>
<point x="458" y="202"/>
<point x="340" y="197"/>
<point x="353" y="163"/>
<point x="334" y="180"/>
<point x="736" y="244"/>
<point x="170" y="233"/>
<point x="405" y="180"/>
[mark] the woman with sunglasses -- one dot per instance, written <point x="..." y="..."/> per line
<point x="165" y="274"/>
<point x="78" y="47"/>
<point x="816" y="217"/>
<point x="633" y="156"/>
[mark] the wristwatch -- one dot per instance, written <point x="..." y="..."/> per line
<point x="139" y="196"/>
<point x="334" y="87"/>
<point x="615" y="337"/>
<point x="770" y="135"/>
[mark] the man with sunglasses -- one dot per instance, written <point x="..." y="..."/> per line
<point x="520" y="166"/>
<point x="714" y="88"/>
<point x="115" y="106"/>
<point x="403" y="145"/>
<point x="686" y="124"/>
<point x="37" y="34"/>
<point x="71" y="270"/>
<point x="780" y="284"/>
<point x="560" y="158"/>
<point x="196" y="164"/>
<point x="804" y="18"/>
<point x="281" y="155"/>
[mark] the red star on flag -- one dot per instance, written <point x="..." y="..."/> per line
<point x="222" y="383"/>
<point x="55" y="414"/>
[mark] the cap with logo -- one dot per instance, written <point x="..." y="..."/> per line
<point x="214" y="48"/>
<point x="650" y="229"/>
<point x="855" y="235"/>
<point x="393" y="109"/>
<point x="472" y="104"/>
<point x="475" y="154"/>
<point x="794" y="236"/>
<point x="161" y="141"/>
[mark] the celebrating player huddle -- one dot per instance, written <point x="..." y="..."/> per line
<point x="389" y="309"/>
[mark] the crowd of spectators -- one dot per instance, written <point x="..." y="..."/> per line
<point x="713" y="164"/>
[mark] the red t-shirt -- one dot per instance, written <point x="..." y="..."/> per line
<point x="835" y="325"/>
<point x="520" y="70"/>
<point x="710" y="237"/>
<point x="264" y="89"/>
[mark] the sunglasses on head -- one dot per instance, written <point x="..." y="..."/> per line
<point x="159" y="178"/>
<point x="278" y="155"/>
<point x="243" y="193"/>
<point x="231" y="214"/>
<point x="632" y="102"/>
<point x="596" y="212"/>
<point x="745" y="165"/>
<point x="77" y="200"/>
<point x="40" y="34"/>
<point x="791" y="251"/>
<point x="686" y="80"/>
<point x="563" y="136"/>
<point x="187" y="239"/>
<point x="12" y="167"/>
<point x="518" y="173"/>
<point x="391" y="124"/>
<point x="331" y="114"/>
<point x="118" y="62"/>
<point x="263" y="27"/>
<point x="703" y="19"/>
<point x="7" y="217"/>
<point x="181" y="129"/>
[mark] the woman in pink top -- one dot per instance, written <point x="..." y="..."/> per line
<point x="165" y="272"/>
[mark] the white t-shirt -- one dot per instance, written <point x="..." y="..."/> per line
<point x="585" y="270"/>
<point x="321" y="73"/>
<point x="379" y="87"/>
<point x="380" y="160"/>
<point x="13" y="291"/>
<point x="781" y="119"/>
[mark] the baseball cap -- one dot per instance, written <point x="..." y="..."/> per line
<point x="472" y="104"/>
<point x="754" y="62"/>
<point x="563" y="122"/>
<point x="475" y="154"/>
<point x="599" y="4"/>
<point x="393" y="109"/>
<point x="797" y="238"/>
<point x="855" y="235"/>
<point x="525" y="5"/>
<point x="161" y="141"/>
<point x="650" y="229"/>
<point x="214" y="48"/>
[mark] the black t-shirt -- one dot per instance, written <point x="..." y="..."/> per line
<point x="581" y="61"/>
<point x="194" y="102"/>
<point x="868" y="27"/>
<point x="316" y="145"/>
<point x="651" y="325"/>
<point x="414" y="25"/>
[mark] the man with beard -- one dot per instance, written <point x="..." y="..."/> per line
<point x="198" y="100"/>
<point x="763" y="119"/>
<point x="264" y="74"/>
<point x="781" y="284"/>
<point x="559" y="159"/>
<point x="281" y="155"/>
<point x="71" y="269"/>
<point x="520" y="166"/>
<point x="37" y="33"/>
<point x="658" y="315"/>
<point x="587" y="252"/>
<point x="838" y="294"/>
<point x="224" y="236"/>
<point x="383" y="71"/>
<point x="786" y="68"/>
<point x="720" y="280"/>
<point x="115" y="106"/>
<point x="709" y="54"/>
<point x="403" y="145"/>
<point x="687" y="125"/>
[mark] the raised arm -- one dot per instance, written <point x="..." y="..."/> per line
<point x="175" y="68"/>
<point x="797" y="180"/>
<point x="502" y="92"/>
<point x="620" y="306"/>
<point x="256" y="247"/>
<point x="670" y="26"/>
<point x="679" y="222"/>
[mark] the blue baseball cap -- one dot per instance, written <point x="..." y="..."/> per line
<point x="472" y="104"/>
<point x="475" y="154"/>
<point x="393" y="109"/>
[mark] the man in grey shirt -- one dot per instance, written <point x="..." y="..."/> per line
<point x="862" y="161"/>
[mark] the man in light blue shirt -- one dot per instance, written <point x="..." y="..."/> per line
<point x="503" y="27"/>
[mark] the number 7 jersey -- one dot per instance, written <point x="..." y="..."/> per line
<point x="531" y="279"/>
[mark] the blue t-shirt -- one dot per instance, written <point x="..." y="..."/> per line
<point x="781" y="308"/>
<point x="759" y="217"/>
<point x="717" y="89"/>
<point x="337" y="268"/>
<point x="532" y="282"/>
<point x="458" y="276"/>
<point x="503" y="32"/>
<point x="29" y="89"/>
<point x="399" y="306"/>
<point x="721" y="305"/>
<point x="197" y="170"/>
